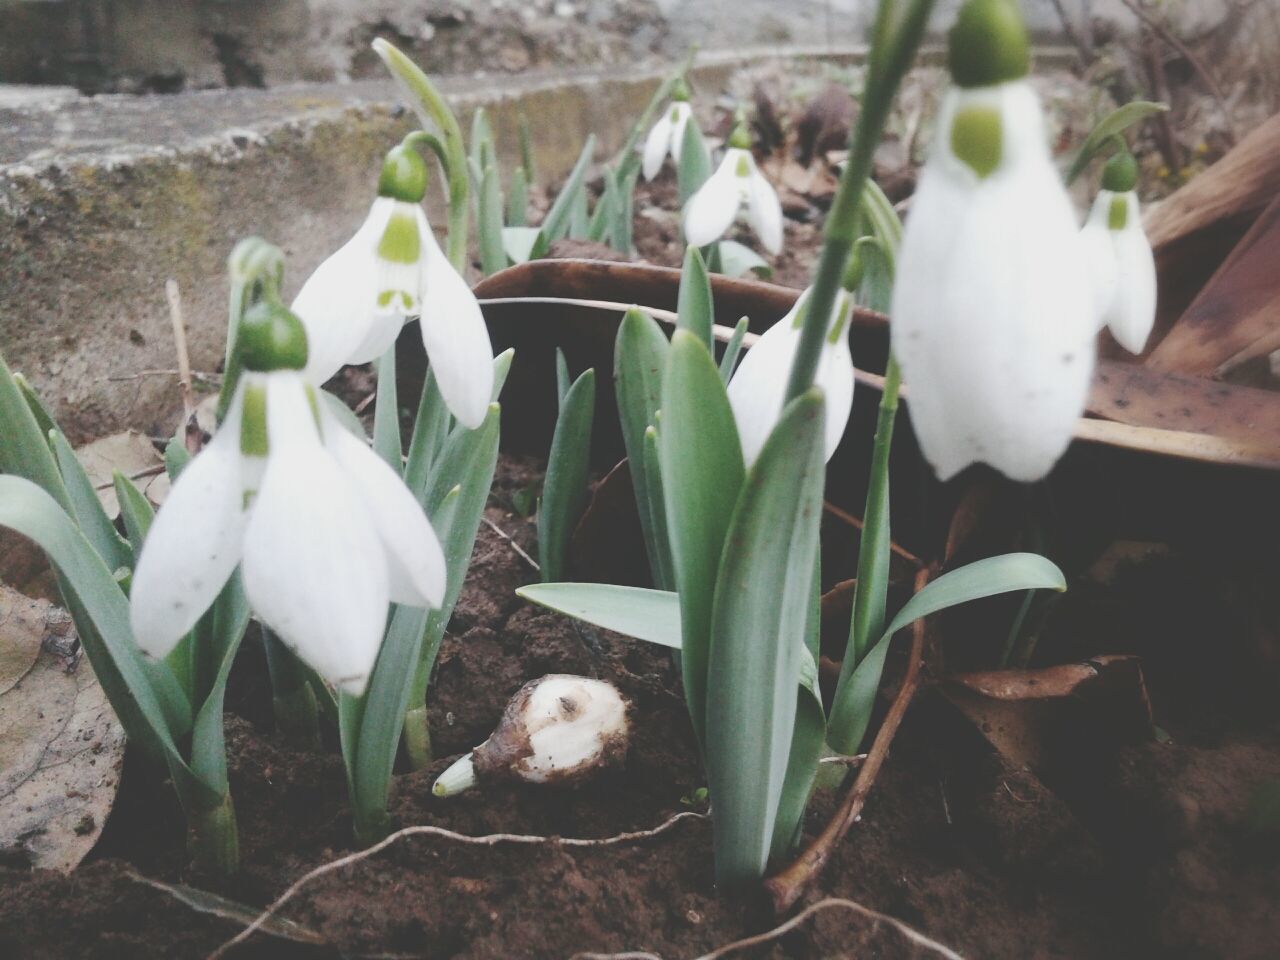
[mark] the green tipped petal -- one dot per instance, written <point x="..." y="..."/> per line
<point x="976" y="135"/>
<point x="271" y="337"/>
<point x="404" y="175"/>
<point x="988" y="44"/>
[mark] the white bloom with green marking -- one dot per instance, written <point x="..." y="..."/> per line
<point x="1119" y="255"/>
<point x="757" y="392"/>
<point x="356" y="301"/>
<point x="325" y="533"/>
<point x="736" y="185"/>
<point x="992" y="317"/>
<point x="666" y="137"/>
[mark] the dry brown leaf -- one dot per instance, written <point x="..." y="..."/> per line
<point x="129" y="452"/>
<point x="22" y="623"/>
<point x="61" y="747"/>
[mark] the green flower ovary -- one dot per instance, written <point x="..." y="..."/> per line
<point x="403" y="176"/>
<point x="271" y="337"/>
<point x="988" y="44"/>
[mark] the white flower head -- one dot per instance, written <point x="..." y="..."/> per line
<point x="666" y="137"/>
<point x="1122" y="267"/>
<point x="325" y="532"/>
<point x="992" y="316"/>
<point x="356" y="301"/>
<point x="736" y="184"/>
<point x="757" y="392"/>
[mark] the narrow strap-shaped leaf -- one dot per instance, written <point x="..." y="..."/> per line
<point x="430" y="428"/>
<point x="137" y="690"/>
<point x="664" y="573"/>
<point x="386" y="413"/>
<point x="624" y="212"/>
<point x="522" y="244"/>
<point x="344" y="415"/>
<point x="24" y="446"/>
<point x="649" y="615"/>
<point x="639" y="360"/>
<point x="556" y="223"/>
<point x="1109" y="126"/>
<point x="481" y="149"/>
<point x="230" y="619"/>
<point x="564" y="490"/>
<point x="729" y="359"/>
<point x="493" y="257"/>
<point x="760" y="619"/>
<point x="87" y="508"/>
<point x="562" y="379"/>
<point x="694" y="167"/>
<point x="43" y="418"/>
<point x="603" y="215"/>
<point x="580" y="217"/>
<point x="501" y="368"/>
<point x="136" y="510"/>
<point x="370" y="725"/>
<point x="851" y="711"/>
<point x="702" y="473"/>
<point x="518" y="199"/>
<point x="695" y="310"/>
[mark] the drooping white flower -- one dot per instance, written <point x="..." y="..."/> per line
<point x="736" y="184"/>
<point x="1122" y="267"/>
<point x="356" y="301"/>
<point x="758" y="388"/>
<point x="666" y="136"/>
<point x="992" y="316"/>
<point x="556" y="729"/>
<point x="325" y="532"/>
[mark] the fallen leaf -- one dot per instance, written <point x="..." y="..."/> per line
<point x="61" y="747"/>
<point x="130" y="453"/>
<point x="22" y="622"/>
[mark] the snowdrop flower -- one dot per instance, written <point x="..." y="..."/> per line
<point x="556" y="729"/>
<point x="1119" y="256"/>
<point x="992" y="314"/>
<point x="667" y="136"/>
<point x="759" y="386"/>
<point x="737" y="183"/>
<point x="325" y="532"/>
<point x="355" y="303"/>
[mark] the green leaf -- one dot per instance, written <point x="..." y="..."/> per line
<point x="731" y="350"/>
<point x="760" y="619"/>
<point x="386" y="413"/>
<point x="695" y="307"/>
<point x="737" y="260"/>
<point x="501" y="368"/>
<point x="639" y="360"/>
<point x="851" y="711"/>
<point x="526" y="150"/>
<point x="562" y="379"/>
<point x="481" y="153"/>
<point x="522" y="244"/>
<point x="518" y="199"/>
<point x="87" y="509"/>
<point x="24" y="446"/>
<point x="1111" y="125"/>
<point x="623" y="212"/>
<point x="135" y="508"/>
<point x="702" y="473"/>
<point x="556" y="223"/>
<point x="229" y="620"/>
<point x="145" y="696"/>
<point x="875" y="289"/>
<point x="342" y="413"/>
<point x="493" y="256"/>
<point x="664" y="572"/>
<point x="604" y="214"/>
<point x="579" y="217"/>
<point x="649" y="615"/>
<point x="430" y="428"/>
<point x="564" y="490"/>
<point x="694" y="168"/>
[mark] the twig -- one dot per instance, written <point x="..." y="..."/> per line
<point x="201" y="375"/>
<point x="152" y="471"/>
<point x="1197" y="64"/>
<point x="857" y="524"/>
<point x="785" y="889"/>
<point x="912" y="934"/>
<point x="174" y="297"/>
<point x="628" y="955"/>
<point x="520" y="551"/>
<point x="1081" y="39"/>
<point x="856" y="760"/>
<point x="488" y="840"/>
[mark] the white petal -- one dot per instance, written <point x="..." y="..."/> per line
<point x="336" y="304"/>
<point x="193" y="545"/>
<point x="680" y="113"/>
<point x="382" y="334"/>
<point x="1099" y="251"/>
<point x="456" y="339"/>
<point x="1134" y="311"/>
<point x="835" y="376"/>
<point x="764" y="210"/>
<point x="711" y="210"/>
<point x="993" y="315"/>
<point x="415" y="561"/>
<point x="759" y="385"/>
<point x="314" y="569"/>
<point x="656" y="145"/>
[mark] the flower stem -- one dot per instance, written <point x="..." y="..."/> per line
<point x="212" y="839"/>
<point x="292" y="699"/>
<point x="890" y="58"/>
<point x="417" y="733"/>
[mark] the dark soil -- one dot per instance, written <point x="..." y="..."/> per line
<point x="1149" y="857"/>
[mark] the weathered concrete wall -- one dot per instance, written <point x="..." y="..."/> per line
<point x="102" y="199"/>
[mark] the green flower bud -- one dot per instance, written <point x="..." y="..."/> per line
<point x="404" y="175"/>
<point x="988" y="44"/>
<point x="271" y="338"/>
<point x="1120" y="175"/>
<point x="740" y="139"/>
<point x="680" y="91"/>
